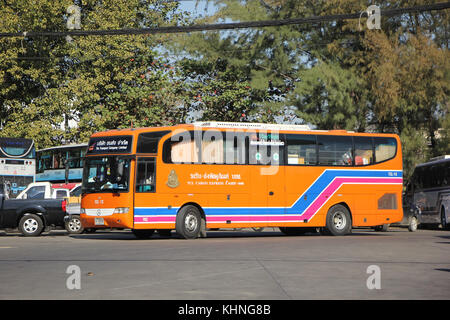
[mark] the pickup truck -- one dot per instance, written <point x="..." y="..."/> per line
<point x="31" y="216"/>
<point x="43" y="190"/>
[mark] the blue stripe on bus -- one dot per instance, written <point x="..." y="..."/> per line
<point x="297" y="208"/>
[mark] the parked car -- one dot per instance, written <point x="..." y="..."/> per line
<point x="31" y="216"/>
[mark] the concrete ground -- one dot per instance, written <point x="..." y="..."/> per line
<point x="227" y="265"/>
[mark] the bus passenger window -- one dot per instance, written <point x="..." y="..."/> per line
<point x="363" y="151"/>
<point x="335" y="150"/>
<point x="385" y="148"/>
<point x="145" y="178"/>
<point x="301" y="149"/>
<point x="212" y="147"/>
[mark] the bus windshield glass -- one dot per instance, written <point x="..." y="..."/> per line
<point x="106" y="174"/>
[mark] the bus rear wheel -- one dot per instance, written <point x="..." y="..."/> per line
<point x="339" y="220"/>
<point x="189" y="222"/>
<point x="143" y="233"/>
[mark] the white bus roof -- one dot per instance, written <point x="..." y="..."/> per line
<point x="65" y="147"/>
<point x="250" y="125"/>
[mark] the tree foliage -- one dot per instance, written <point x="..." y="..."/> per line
<point x="340" y="75"/>
<point x="97" y="82"/>
<point x="334" y="75"/>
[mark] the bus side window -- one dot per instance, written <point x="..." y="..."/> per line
<point x="446" y="174"/>
<point x="145" y="178"/>
<point x="235" y="148"/>
<point x="301" y="149"/>
<point x="385" y="148"/>
<point x="212" y="147"/>
<point x="335" y="150"/>
<point x="363" y="151"/>
<point x="181" y="148"/>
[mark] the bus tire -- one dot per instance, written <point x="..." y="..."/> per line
<point x="143" y="233"/>
<point x="31" y="225"/>
<point x="74" y="226"/>
<point x="189" y="222"/>
<point x="339" y="220"/>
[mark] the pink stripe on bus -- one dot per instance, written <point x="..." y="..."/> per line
<point x="336" y="184"/>
<point x="154" y="219"/>
<point x="251" y="218"/>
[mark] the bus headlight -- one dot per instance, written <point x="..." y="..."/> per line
<point x="82" y="211"/>
<point x="121" y="210"/>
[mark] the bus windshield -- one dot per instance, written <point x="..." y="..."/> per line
<point x="106" y="174"/>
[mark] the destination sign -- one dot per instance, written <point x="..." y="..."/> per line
<point x="116" y="144"/>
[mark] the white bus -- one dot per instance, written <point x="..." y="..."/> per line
<point x="52" y="161"/>
<point x="17" y="164"/>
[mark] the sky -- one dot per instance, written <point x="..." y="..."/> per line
<point x="197" y="7"/>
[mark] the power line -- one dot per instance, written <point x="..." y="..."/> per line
<point x="225" y="26"/>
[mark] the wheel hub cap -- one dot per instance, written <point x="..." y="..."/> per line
<point x="191" y="222"/>
<point x="339" y="220"/>
<point x="30" y="225"/>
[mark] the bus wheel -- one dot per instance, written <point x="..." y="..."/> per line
<point x="143" y="234"/>
<point x="74" y="225"/>
<point x="339" y="221"/>
<point x="413" y="223"/>
<point x="189" y="222"/>
<point x="31" y="225"/>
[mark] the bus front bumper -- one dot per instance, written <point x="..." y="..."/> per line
<point x="111" y="221"/>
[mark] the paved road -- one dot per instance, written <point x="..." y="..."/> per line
<point x="227" y="265"/>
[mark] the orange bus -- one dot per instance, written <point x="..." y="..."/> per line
<point x="236" y="175"/>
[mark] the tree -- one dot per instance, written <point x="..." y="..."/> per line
<point x="98" y="82"/>
<point x="338" y="75"/>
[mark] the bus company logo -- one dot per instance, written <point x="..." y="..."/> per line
<point x="172" y="180"/>
<point x="99" y="212"/>
<point x="91" y="147"/>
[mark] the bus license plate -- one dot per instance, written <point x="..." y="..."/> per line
<point x="99" y="221"/>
